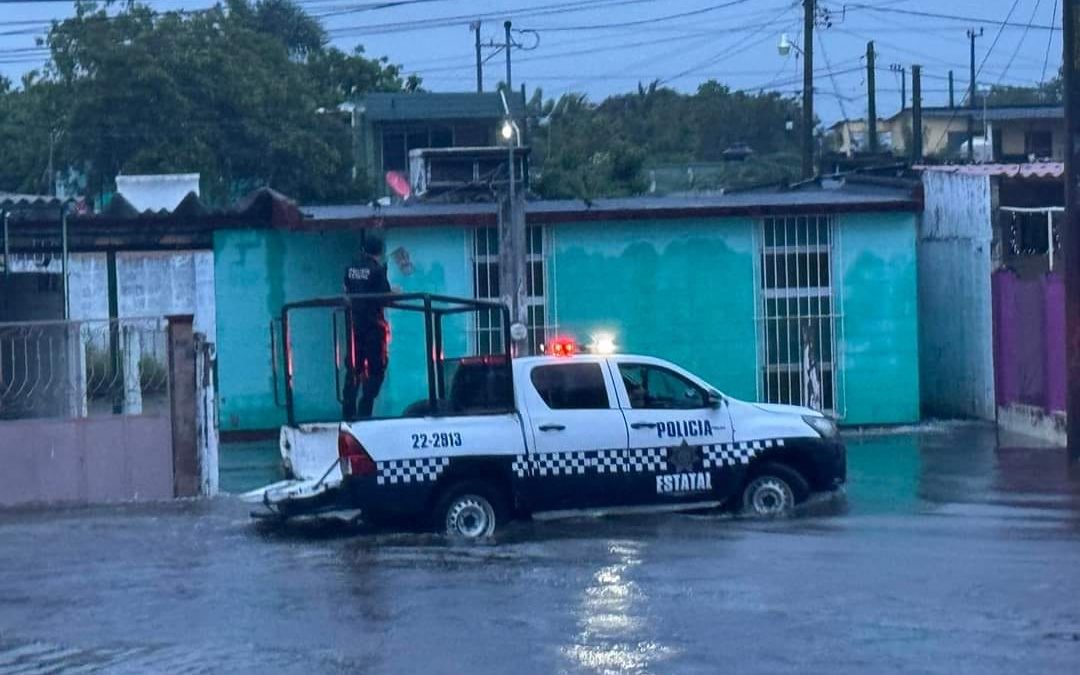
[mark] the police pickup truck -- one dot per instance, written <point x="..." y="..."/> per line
<point x="569" y="433"/>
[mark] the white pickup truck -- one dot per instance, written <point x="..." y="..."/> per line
<point x="559" y="435"/>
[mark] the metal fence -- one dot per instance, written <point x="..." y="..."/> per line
<point x="83" y="368"/>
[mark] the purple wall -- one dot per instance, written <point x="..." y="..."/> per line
<point x="1029" y="340"/>
<point x="95" y="459"/>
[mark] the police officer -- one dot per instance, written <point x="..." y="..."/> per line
<point x="370" y="332"/>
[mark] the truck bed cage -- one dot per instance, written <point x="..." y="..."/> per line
<point x="434" y="308"/>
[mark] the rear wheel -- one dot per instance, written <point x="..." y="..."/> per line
<point x="774" y="490"/>
<point x="470" y="510"/>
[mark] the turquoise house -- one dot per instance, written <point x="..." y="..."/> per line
<point x="804" y="296"/>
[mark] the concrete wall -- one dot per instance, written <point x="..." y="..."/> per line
<point x="257" y="271"/>
<point x="955" y="309"/>
<point x="97" y="459"/>
<point x="879" y="346"/>
<point x="683" y="290"/>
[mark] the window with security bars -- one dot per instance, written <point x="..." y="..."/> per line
<point x="485" y="257"/>
<point x="798" y="312"/>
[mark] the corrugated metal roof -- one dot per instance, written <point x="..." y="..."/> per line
<point x="384" y="107"/>
<point x="1029" y="170"/>
<point x="849" y="195"/>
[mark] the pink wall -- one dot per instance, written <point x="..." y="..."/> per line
<point x="94" y="459"/>
<point x="1029" y="340"/>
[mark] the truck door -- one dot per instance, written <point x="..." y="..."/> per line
<point x="678" y="432"/>
<point x="578" y="435"/>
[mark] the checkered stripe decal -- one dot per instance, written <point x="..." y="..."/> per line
<point x="420" y="470"/>
<point x="562" y="463"/>
<point x="730" y="454"/>
<point x="646" y="459"/>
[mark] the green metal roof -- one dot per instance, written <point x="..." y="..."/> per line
<point x="437" y="106"/>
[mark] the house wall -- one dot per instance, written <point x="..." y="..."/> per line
<point x="955" y="308"/>
<point x="1012" y="135"/>
<point x="683" y="290"/>
<point x="258" y="271"/>
<point x="880" y="345"/>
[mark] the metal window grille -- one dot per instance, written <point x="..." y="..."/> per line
<point x="798" y="313"/>
<point x="488" y="337"/>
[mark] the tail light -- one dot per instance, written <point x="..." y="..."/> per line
<point x="354" y="459"/>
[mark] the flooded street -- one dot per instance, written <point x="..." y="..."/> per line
<point x="948" y="554"/>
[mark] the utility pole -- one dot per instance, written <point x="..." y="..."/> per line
<point x="952" y="99"/>
<point x="871" y="100"/>
<point x="916" y="115"/>
<point x="509" y="43"/>
<point x="475" y="25"/>
<point x="1071" y="243"/>
<point x="809" y="10"/>
<point x="897" y="68"/>
<point x="971" y="96"/>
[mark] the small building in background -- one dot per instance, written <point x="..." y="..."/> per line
<point x="389" y="126"/>
<point x="848" y="137"/>
<point x="1005" y="134"/>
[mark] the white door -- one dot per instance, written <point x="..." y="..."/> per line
<point x="678" y="429"/>
<point x="578" y="432"/>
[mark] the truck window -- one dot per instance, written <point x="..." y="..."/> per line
<point x="571" y="386"/>
<point x="656" y="388"/>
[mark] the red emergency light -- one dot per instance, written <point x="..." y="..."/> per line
<point x="562" y="346"/>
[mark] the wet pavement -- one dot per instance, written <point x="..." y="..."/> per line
<point x="948" y="554"/>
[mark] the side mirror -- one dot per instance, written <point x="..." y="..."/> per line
<point x="715" y="399"/>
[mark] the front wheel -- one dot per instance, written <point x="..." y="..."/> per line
<point x="469" y="511"/>
<point x="774" y="491"/>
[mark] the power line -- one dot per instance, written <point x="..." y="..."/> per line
<point x="1049" y="42"/>
<point x="640" y="22"/>
<point x="745" y="42"/>
<point x="444" y="21"/>
<point x="950" y="17"/>
<point x="1019" y="43"/>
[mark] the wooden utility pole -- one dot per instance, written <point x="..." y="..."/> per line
<point x="971" y="96"/>
<point x="809" y="8"/>
<point x="871" y="100"/>
<point x="952" y="99"/>
<point x="916" y="115"/>
<point x="1071" y="243"/>
<point x="479" y="59"/>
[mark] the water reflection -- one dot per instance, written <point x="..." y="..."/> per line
<point x="961" y="469"/>
<point x="612" y="620"/>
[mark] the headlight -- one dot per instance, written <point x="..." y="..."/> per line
<point x="825" y="427"/>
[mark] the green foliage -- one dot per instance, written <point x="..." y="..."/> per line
<point x="1046" y="93"/>
<point x="246" y="94"/>
<point x="586" y="150"/>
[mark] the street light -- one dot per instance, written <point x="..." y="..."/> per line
<point x="507" y="130"/>
<point x="786" y="45"/>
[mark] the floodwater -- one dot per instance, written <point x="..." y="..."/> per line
<point x="951" y="553"/>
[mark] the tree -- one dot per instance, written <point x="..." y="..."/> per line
<point x="587" y="150"/>
<point x="245" y="94"/>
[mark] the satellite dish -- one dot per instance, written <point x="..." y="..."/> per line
<point x="399" y="184"/>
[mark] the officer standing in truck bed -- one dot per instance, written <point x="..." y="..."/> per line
<point x="370" y="332"/>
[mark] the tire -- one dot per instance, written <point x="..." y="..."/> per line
<point x="471" y="510"/>
<point x="774" y="490"/>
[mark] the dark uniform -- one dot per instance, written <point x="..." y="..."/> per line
<point x="370" y="334"/>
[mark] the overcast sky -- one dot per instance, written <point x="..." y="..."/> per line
<point x="601" y="47"/>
